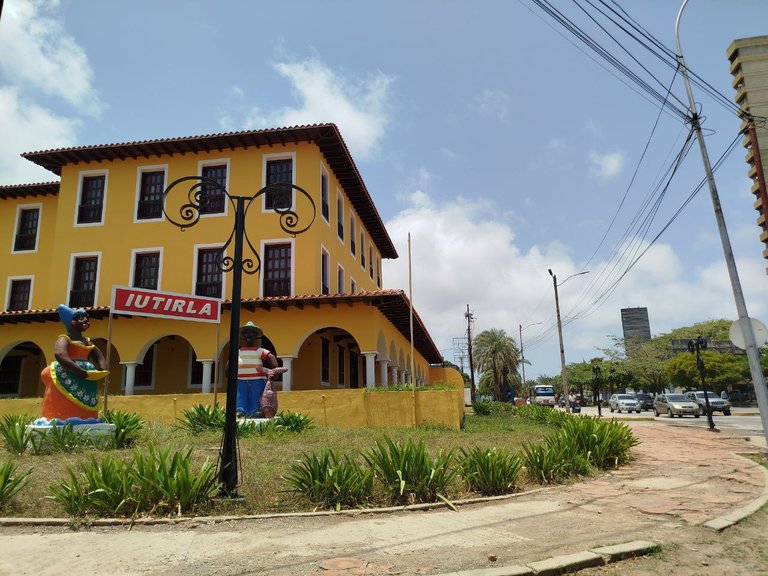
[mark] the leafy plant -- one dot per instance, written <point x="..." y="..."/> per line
<point x="543" y="464"/>
<point x="127" y="427"/>
<point x="292" y="421"/>
<point x="605" y="444"/>
<point x="408" y="472"/>
<point x="202" y="418"/>
<point x="64" y="439"/>
<point x="330" y="482"/>
<point x="481" y="407"/>
<point x="10" y="481"/>
<point x="489" y="471"/>
<point x="13" y="428"/>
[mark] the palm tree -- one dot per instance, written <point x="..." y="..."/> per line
<point x="497" y="353"/>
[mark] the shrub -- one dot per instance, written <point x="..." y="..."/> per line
<point x="543" y="464"/>
<point x="330" y="482"/>
<point x="542" y="414"/>
<point x="65" y="439"/>
<point x="606" y="444"/>
<point x="10" y="481"/>
<point x="127" y="427"/>
<point x="489" y="471"/>
<point x="409" y="474"/>
<point x="481" y="407"/>
<point x="201" y="418"/>
<point x="13" y="429"/>
<point x="502" y="408"/>
<point x="292" y="421"/>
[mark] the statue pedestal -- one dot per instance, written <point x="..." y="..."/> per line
<point x="100" y="429"/>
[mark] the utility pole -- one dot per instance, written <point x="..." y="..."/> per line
<point x="470" y="318"/>
<point x="753" y="354"/>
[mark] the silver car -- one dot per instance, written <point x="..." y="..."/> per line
<point x="675" y="405"/>
<point x="716" y="404"/>
<point x="626" y="402"/>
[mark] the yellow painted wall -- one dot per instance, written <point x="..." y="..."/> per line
<point x="347" y="409"/>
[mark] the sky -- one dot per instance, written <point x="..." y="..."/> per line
<point x="502" y="144"/>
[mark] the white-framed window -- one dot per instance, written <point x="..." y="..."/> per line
<point x="217" y="170"/>
<point x="352" y="285"/>
<point x="26" y="234"/>
<point x="370" y="259"/>
<point x="325" y="271"/>
<point x="352" y="228"/>
<point x="325" y="201"/>
<point x="207" y="275"/>
<point x="362" y="249"/>
<point x="19" y="292"/>
<point x="91" y="198"/>
<point x="339" y="215"/>
<point x="277" y="168"/>
<point x="150" y="185"/>
<point x="277" y="277"/>
<point x="340" y="279"/>
<point x="378" y="271"/>
<point x="146" y="268"/>
<point x="83" y="285"/>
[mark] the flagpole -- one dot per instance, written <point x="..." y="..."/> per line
<point x="410" y="298"/>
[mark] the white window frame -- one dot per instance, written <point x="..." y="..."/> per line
<point x="74" y="256"/>
<point x="325" y="268"/>
<point x="139" y="171"/>
<point x="378" y="271"/>
<point x="352" y="285"/>
<point x="340" y="268"/>
<point x="277" y="156"/>
<point x="11" y="279"/>
<point x="215" y="162"/>
<point x="340" y="216"/>
<point x="268" y="241"/>
<point x="137" y="251"/>
<point x="80" y="177"/>
<point x="19" y="208"/>
<point x="352" y="234"/>
<point x="195" y="250"/>
<point x="363" y="255"/>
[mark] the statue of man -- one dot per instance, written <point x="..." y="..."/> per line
<point x="71" y="393"/>
<point x="251" y="377"/>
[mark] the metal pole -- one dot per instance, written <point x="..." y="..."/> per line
<point x="698" y="345"/>
<point x="472" y="390"/>
<point x="229" y="464"/>
<point x="522" y="355"/>
<point x="753" y="354"/>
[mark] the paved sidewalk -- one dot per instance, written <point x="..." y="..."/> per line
<point x="681" y="476"/>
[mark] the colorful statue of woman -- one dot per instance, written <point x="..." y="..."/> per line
<point x="71" y="392"/>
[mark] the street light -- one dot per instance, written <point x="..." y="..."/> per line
<point x="522" y="354"/>
<point x="563" y="374"/>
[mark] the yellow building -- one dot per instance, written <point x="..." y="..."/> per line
<point x="317" y="295"/>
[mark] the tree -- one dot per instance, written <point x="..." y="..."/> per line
<point x="720" y="370"/>
<point x="497" y="353"/>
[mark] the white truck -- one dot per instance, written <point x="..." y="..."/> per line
<point x="544" y="395"/>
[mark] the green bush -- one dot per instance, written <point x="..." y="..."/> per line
<point x="158" y="482"/>
<point x="409" y="474"/>
<point x="65" y="439"/>
<point x="13" y="429"/>
<point x="605" y="444"/>
<point x="127" y="427"/>
<point x="481" y="408"/>
<point x="202" y="418"/>
<point x="489" y="471"/>
<point x="543" y="464"/>
<point x="10" y="481"/>
<point x="292" y="421"/>
<point x="542" y="414"/>
<point x="330" y="482"/>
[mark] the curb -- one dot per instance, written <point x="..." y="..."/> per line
<point x="727" y="520"/>
<point x="570" y="562"/>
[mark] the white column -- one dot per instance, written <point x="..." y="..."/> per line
<point x="207" y="367"/>
<point x="383" y="372"/>
<point x="401" y="377"/>
<point x="287" y="379"/>
<point x="393" y="375"/>
<point x="130" y="376"/>
<point x="370" y="369"/>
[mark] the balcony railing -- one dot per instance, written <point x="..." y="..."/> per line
<point x="81" y="298"/>
<point x="277" y="287"/>
<point x="89" y="213"/>
<point x="149" y="209"/>
<point x="208" y="289"/>
<point x="25" y="242"/>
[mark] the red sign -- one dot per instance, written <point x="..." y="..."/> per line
<point x="141" y="302"/>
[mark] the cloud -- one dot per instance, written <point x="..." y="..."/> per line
<point x="493" y="103"/>
<point x="606" y="166"/>
<point x="358" y="107"/>
<point x="26" y="127"/>
<point x="44" y="57"/>
<point x="465" y="253"/>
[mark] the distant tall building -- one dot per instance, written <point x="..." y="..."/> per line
<point x="634" y="322"/>
<point x="749" y="67"/>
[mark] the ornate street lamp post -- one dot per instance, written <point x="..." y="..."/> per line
<point x="696" y="346"/>
<point x="200" y="193"/>
<point x="597" y="374"/>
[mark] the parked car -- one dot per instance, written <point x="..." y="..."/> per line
<point x="626" y="402"/>
<point x="646" y="400"/>
<point x="675" y="405"/>
<point x="716" y="404"/>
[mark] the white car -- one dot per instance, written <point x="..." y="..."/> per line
<point x="716" y="404"/>
<point x="626" y="402"/>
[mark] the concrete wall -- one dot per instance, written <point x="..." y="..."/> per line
<point x="349" y="409"/>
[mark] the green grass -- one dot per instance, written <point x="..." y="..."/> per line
<point x="266" y="458"/>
